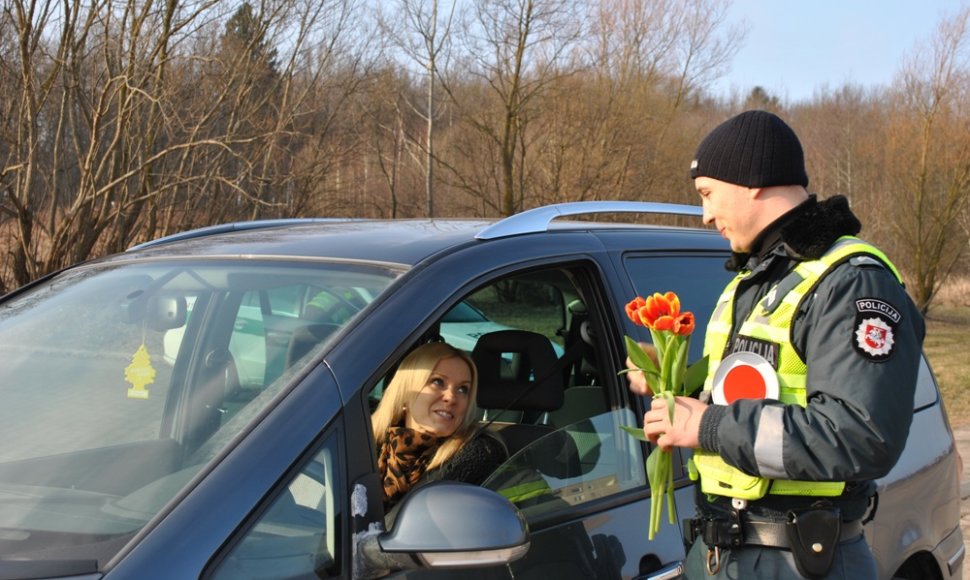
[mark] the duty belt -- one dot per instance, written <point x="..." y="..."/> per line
<point x="725" y="533"/>
<point x="811" y="536"/>
<point x="774" y="535"/>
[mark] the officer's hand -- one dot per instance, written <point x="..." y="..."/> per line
<point x="685" y="431"/>
<point x="638" y="382"/>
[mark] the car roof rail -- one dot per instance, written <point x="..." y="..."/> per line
<point x="538" y="219"/>
<point x="232" y="227"/>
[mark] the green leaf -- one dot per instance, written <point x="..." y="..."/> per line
<point x="635" y="432"/>
<point x="661" y="339"/>
<point x="679" y="366"/>
<point x="640" y="358"/>
<point x="666" y="353"/>
<point x="696" y="374"/>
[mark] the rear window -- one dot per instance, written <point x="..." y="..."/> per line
<point x="698" y="280"/>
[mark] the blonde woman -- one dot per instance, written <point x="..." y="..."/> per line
<point x="425" y="425"/>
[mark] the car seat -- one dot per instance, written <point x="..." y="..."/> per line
<point x="306" y="337"/>
<point x="518" y="371"/>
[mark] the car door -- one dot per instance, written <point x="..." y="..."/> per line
<point x="577" y="477"/>
<point x="298" y="532"/>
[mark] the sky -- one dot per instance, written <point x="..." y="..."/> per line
<point x="795" y="48"/>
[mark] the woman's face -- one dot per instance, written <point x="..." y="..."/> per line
<point x="441" y="403"/>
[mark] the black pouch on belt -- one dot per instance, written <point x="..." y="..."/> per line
<point x="814" y="535"/>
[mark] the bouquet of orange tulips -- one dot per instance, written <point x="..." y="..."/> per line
<point x="668" y="377"/>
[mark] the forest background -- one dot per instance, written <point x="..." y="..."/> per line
<point x="125" y="120"/>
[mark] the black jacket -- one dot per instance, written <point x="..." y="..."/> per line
<point x="473" y="463"/>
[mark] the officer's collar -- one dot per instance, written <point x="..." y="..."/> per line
<point x="803" y="233"/>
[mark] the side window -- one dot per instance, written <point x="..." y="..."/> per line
<point x="297" y="536"/>
<point x="269" y="319"/>
<point x="584" y="461"/>
<point x="247" y="343"/>
<point x="697" y="280"/>
<point x="534" y="303"/>
<point x="547" y="388"/>
<point x="506" y="315"/>
<point x="566" y="445"/>
<point x="510" y="319"/>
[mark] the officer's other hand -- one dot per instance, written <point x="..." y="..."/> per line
<point x="638" y="382"/>
<point x="685" y="431"/>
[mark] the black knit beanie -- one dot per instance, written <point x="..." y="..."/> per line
<point x="753" y="149"/>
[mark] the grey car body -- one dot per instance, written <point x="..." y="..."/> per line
<point x="134" y="449"/>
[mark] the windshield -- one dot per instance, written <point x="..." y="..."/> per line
<point x="120" y="382"/>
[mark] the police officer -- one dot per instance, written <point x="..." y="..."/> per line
<point x="814" y="351"/>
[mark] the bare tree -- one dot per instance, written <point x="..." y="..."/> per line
<point x="624" y="127"/>
<point x="515" y="49"/>
<point x="388" y="125"/>
<point x="134" y="119"/>
<point x="844" y="134"/>
<point x="422" y="30"/>
<point x="928" y="148"/>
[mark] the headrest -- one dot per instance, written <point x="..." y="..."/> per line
<point x="305" y="338"/>
<point x="509" y="364"/>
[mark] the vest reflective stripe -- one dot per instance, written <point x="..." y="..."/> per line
<point x="771" y="320"/>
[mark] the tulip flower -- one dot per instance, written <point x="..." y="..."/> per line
<point x="669" y="377"/>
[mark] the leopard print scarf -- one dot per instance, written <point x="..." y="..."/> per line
<point x="403" y="459"/>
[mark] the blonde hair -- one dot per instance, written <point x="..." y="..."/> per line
<point x="411" y="376"/>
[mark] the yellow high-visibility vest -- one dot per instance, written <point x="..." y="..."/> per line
<point x="770" y="320"/>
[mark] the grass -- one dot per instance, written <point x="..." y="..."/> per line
<point x="947" y="330"/>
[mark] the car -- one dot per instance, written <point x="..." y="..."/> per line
<point x="199" y="405"/>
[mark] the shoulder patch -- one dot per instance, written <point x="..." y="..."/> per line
<point x="874" y="336"/>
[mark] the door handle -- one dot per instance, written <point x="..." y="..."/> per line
<point x="669" y="572"/>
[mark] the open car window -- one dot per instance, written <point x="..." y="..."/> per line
<point x="584" y="461"/>
<point x="544" y="389"/>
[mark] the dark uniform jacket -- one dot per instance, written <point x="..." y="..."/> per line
<point x="860" y="402"/>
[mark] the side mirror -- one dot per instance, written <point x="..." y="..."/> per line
<point x="446" y="525"/>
